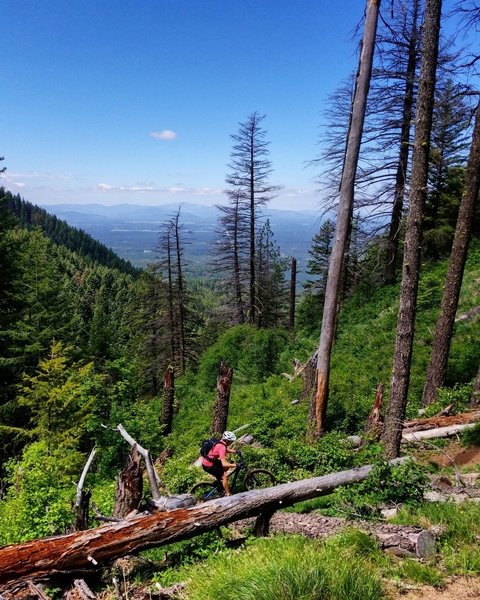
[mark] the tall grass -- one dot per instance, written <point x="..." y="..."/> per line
<point x="460" y="532"/>
<point x="290" y="568"/>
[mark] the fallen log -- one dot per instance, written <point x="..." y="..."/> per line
<point x="96" y="548"/>
<point x="396" y="539"/>
<point x="441" y="432"/>
<point x="441" y="421"/>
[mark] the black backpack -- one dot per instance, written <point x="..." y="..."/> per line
<point x="207" y="445"/>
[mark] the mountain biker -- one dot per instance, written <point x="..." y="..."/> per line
<point x="217" y="464"/>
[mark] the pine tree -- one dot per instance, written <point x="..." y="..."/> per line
<point x="250" y="169"/>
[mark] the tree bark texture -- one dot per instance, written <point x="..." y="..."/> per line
<point x="395" y="414"/>
<point x="166" y="418"/>
<point x="293" y="293"/>
<point x="129" y="486"/>
<point x="441" y="421"/>
<point x="402" y="167"/>
<point x="97" y="548"/>
<point x="437" y="366"/>
<point x="344" y="215"/>
<point x="222" y="399"/>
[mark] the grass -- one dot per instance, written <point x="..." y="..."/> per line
<point x="291" y="568"/>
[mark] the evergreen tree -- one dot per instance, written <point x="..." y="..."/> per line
<point x="250" y="169"/>
<point x="271" y="294"/>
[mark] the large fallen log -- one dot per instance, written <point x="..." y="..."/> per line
<point x="96" y="548"/>
<point x="396" y="539"/>
<point x="430" y="434"/>
<point x="440" y="421"/>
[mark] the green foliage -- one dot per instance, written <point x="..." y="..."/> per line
<point x="418" y="572"/>
<point x="251" y="352"/>
<point x="38" y="502"/>
<point x="287" y="568"/>
<point x="386" y="484"/>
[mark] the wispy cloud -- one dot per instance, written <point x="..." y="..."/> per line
<point x="166" y="134"/>
<point x="107" y="187"/>
<point x="173" y="189"/>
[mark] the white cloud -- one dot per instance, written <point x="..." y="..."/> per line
<point x="166" y="134"/>
<point x="107" y="187"/>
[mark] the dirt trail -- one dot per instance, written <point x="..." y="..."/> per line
<point x="463" y="588"/>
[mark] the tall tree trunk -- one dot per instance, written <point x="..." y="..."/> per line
<point x="166" y="417"/>
<point x="475" y="399"/>
<point x="170" y="300"/>
<point x="222" y="399"/>
<point x="181" y="306"/>
<point x="252" y="309"/>
<point x="236" y="262"/>
<point x="344" y="214"/>
<point x="453" y="282"/>
<point x="401" y="175"/>
<point x="395" y="414"/>
<point x="293" y="289"/>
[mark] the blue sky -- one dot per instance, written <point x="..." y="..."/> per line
<point x="134" y="102"/>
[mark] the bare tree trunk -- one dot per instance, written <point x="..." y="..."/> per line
<point x="475" y="399"/>
<point x="236" y="261"/>
<point x="392" y="432"/>
<point x="344" y="215"/>
<point x="93" y="549"/>
<point x="220" y="411"/>
<point x="129" y="486"/>
<point x="293" y="289"/>
<point x="394" y="230"/>
<point x="166" y="417"/>
<point x="453" y="282"/>
<point x="181" y="306"/>
<point x="82" y="501"/>
<point x="170" y="301"/>
<point x="253" y="317"/>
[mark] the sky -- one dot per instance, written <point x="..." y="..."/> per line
<point x="135" y="101"/>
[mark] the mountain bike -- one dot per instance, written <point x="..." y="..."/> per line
<point x="252" y="479"/>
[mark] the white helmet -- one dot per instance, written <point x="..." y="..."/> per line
<point x="229" y="436"/>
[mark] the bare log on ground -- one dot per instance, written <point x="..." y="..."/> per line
<point x="129" y="486"/>
<point x="441" y="421"/>
<point x="396" y="539"/>
<point x="440" y="432"/>
<point x="97" y="548"/>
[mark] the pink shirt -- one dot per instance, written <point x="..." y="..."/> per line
<point x="218" y="451"/>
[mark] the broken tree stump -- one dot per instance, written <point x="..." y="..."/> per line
<point x="222" y="398"/>
<point x="129" y="489"/>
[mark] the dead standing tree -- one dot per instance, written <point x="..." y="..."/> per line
<point x="344" y="215"/>
<point x="456" y="266"/>
<point x="392" y="433"/>
<point x="166" y="418"/>
<point x="222" y="399"/>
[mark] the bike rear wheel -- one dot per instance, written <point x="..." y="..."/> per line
<point x="259" y="478"/>
<point x="206" y="490"/>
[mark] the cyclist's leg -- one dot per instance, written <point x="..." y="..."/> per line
<point x="225" y="483"/>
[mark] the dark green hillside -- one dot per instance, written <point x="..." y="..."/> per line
<point x="63" y="234"/>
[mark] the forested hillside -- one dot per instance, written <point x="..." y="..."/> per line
<point x="61" y="233"/>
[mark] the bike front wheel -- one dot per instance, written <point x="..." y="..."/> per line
<point x="259" y="478"/>
<point x="206" y="490"/>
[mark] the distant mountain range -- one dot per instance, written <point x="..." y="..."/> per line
<point x="132" y="231"/>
